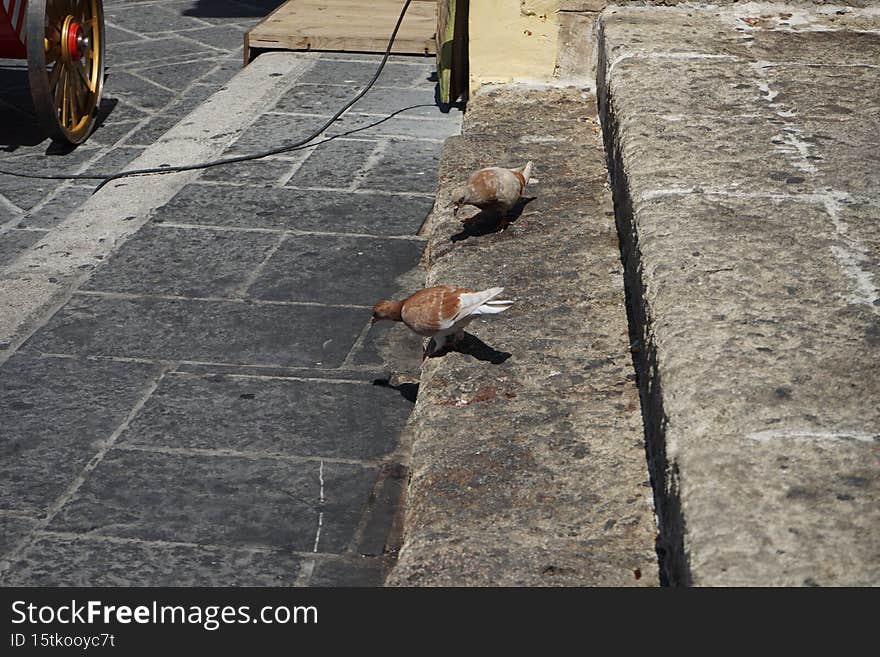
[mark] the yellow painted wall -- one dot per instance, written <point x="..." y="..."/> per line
<point x="511" y="40"/>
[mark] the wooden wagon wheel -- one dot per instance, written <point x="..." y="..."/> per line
<point x="65" y="46"/>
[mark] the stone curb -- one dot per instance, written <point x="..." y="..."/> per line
<point x="528" y="466"/>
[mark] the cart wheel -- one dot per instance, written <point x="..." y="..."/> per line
<point x="65" y="46"/>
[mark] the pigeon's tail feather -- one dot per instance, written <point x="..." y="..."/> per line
<point x="491" y="304"/>
<point x="491" y="292"/>
<point x="471" y="302"/>
<point x="526" y="172"/>
<point x="493" y="307"/>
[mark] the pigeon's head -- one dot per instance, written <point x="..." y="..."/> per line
<point x="389" y="310"/>
<point x="459" y="198"/>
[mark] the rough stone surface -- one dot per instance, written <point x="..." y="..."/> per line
<point x="528" y="461"/>
<point x="745" y="160"/>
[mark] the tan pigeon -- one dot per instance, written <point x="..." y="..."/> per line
<point x="441" y="312"/>
<point x="494" y="189"/>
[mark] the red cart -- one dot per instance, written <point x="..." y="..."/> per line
<point x="63" y="42"/>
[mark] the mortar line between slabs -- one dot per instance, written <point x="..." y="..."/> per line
<point x="286" y="231"/>
<point x="257" y="271"/>
<point x="258" y="549"/>
<point x="295" y="166"/>
<point x="174" y="297"/>
<point x="357" y="346"/>
<point x="269" y="377"/>
<point x="306" y="569"/>
<point x="371" y="115"/>
<point x="249" y="455"/>
<point x="206" y="363"/>
<point x="32" y="515"/>
<point x="422" y="61"/>
<point x="369" y="164"/>
<point x="340" y="190"/>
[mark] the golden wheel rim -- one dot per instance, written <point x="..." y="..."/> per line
<point x="66" y="64"/>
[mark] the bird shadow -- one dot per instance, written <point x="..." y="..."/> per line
<point x="486" y="222"/>
<point x="471" y="345"/>
<point x="409" y="391"/>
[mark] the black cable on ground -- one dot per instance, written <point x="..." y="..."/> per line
<point x="297" y="145"/>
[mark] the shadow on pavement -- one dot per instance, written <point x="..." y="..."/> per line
<point x="486" y="222"/>
<point x="231" y="8"/>
<point x="409" y="391"/>
<point x="18" y="121"/>
<point x="473" y="346"/>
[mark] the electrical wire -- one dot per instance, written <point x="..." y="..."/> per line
<point x="297" y="145"/>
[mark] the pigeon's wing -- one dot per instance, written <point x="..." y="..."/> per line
<point x="484" y="186"/>
<point x="433" y="309"/>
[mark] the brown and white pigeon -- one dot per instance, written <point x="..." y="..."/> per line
<point x="441" y="312"/>
<point x="494" y="189"/>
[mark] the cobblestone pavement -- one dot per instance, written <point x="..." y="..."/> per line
<point x="211" y="406"/>
<point x="162" y="60"/>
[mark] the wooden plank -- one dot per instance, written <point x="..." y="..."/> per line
<point x="452" y="71"/>
<point x="346" y="25"/>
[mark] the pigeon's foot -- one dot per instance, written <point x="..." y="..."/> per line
<point x="430" y="348"/>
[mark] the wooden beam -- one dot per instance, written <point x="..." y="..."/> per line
<point x="346" y="25"/>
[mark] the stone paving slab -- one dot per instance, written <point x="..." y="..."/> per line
<point x="325" y="98"/>
<point x="278" y="416"/>
<point x="218" y="500"/>
<point x="407" y="73"/>
<point x="14" y="529"/>
<point x="55" y="413"/>
<point x="189" y="329"/>
<point x="54" y="211"/>
<point x="406" y="166"/>
<point x="334" y="164"/>
<point x="265" y="172"/>
<point x="749" y="237"/>
<point x="357" y="571"/>
<point x="72" y="560"/>
<point x="363" y="268"/>
<point x="402" y="125"/>
<point x="383" y="344"/>
<point x="160" y="261"/>
<point x="339" y="211"/>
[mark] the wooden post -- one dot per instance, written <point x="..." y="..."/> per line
<point x="452" y="49"/>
